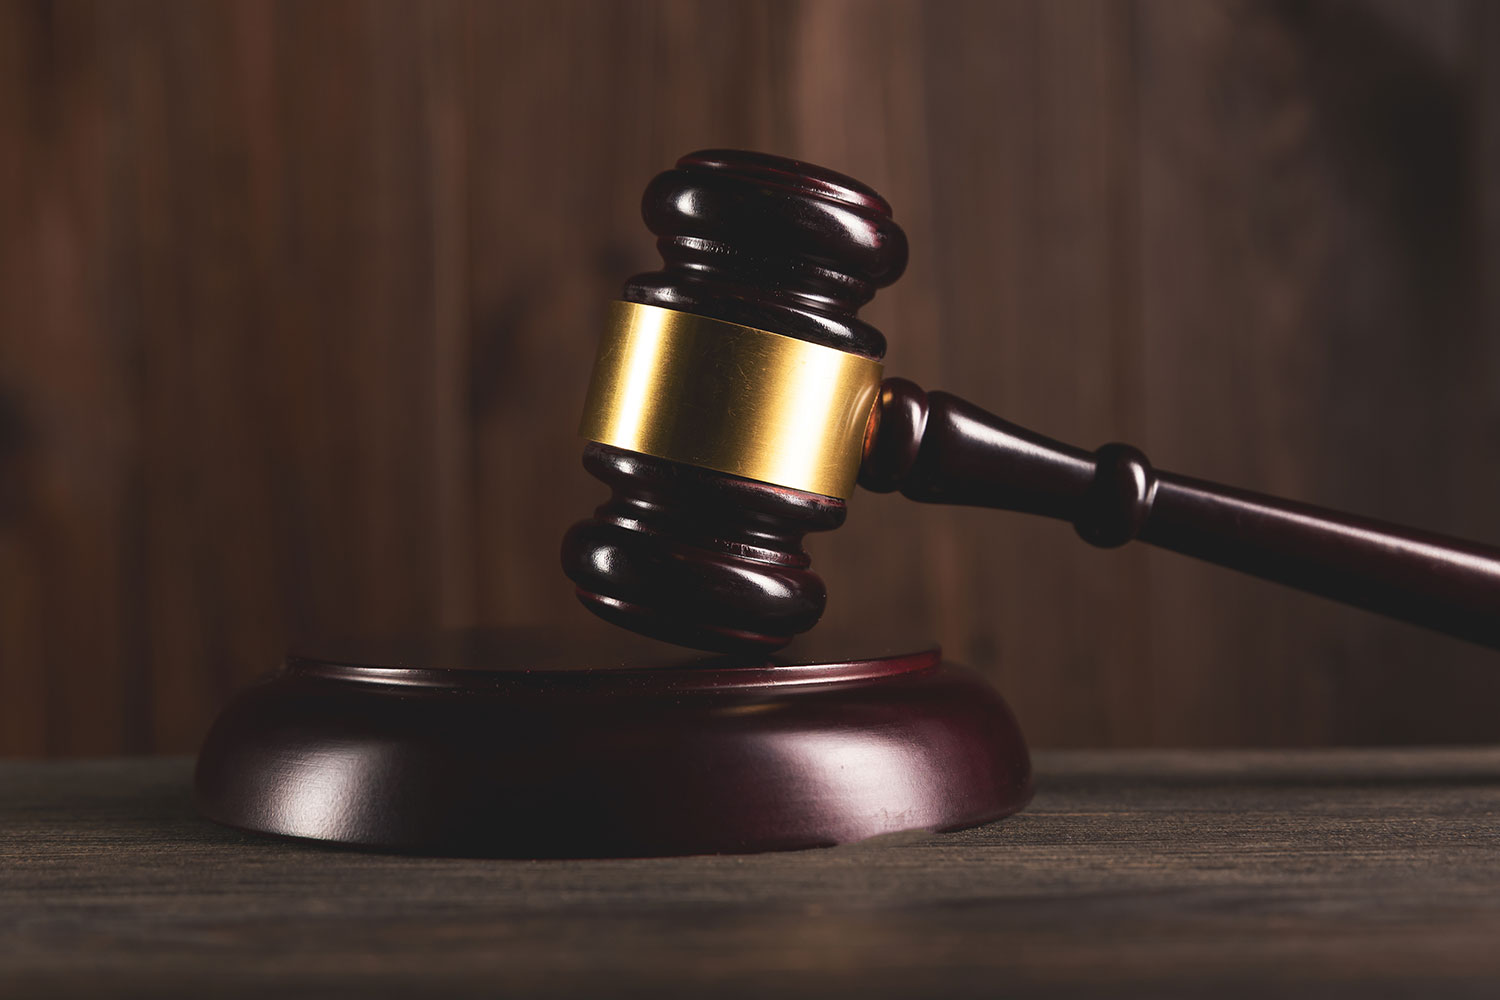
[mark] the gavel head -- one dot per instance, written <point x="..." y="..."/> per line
<point x="730" y="400"/>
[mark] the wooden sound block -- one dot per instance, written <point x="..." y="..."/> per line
<point x="590" y="742"/>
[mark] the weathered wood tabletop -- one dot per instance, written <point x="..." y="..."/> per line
<point x="1328" y="873"/>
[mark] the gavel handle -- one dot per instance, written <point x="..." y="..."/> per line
<point x="937" y="448"/>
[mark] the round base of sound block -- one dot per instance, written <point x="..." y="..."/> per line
<point x="530" y="743"/>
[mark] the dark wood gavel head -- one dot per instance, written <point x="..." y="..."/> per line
<point x="715" y="477"/>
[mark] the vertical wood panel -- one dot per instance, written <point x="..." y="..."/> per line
<point x="1307" y="297"/>
<point x="1031" y="126"/>
<point x="296" y="303"/>
<point x="69" y="549"/>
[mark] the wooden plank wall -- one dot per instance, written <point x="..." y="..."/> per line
<point x="296" y="301"/>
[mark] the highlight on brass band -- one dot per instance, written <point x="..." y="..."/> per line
<point x="730" y="398"/>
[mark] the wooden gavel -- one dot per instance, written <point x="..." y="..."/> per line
<point x="737" y="399"/>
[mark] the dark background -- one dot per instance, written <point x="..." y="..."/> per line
<point x="297" y="302"/>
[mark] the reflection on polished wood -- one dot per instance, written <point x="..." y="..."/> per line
<point x="591" y="742"/>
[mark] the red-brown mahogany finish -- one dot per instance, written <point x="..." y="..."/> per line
<point x="714" y="562"/>
<point x="589" y="742"/>
<point x="937" y="448"/>
<point x="696" y="557"/>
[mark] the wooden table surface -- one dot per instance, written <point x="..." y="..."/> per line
<point x="1328" y="873"/>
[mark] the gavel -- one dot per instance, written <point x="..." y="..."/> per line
<point x="737" y="399"/>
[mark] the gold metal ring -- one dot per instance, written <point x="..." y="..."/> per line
<point x="731" y="398"/>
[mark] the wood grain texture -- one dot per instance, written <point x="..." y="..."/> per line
<point x="1293" y="874"/>
<point x="297" y="303"/>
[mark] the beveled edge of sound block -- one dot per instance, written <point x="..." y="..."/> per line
<point x="527" y="744"/>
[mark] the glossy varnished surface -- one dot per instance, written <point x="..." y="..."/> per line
<point x="589" y="743"/>
<point x="708" y="559"/>
<point x="771" y="231"/>
<point x="937" y="448"/>
<point x="1315" y="874"/>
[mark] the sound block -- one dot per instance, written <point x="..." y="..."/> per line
<point x="589" y="742"/>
